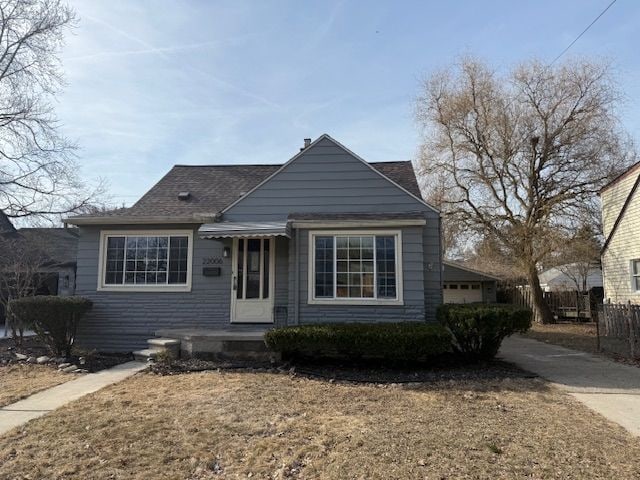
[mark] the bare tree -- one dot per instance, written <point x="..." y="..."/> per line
<point x="23" y="265"/>
<point x="525" y="152"/>
<point x="580" y="257"/>
<point x="38" y="171"/>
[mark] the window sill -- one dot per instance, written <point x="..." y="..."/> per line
<point x="373" y="302"/>
<point x="151" y="288"/>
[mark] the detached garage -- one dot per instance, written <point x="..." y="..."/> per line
<point x="465" y="285"/>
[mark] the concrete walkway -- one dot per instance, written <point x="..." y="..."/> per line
<point x="611" y="389"/>
<point x="41" y="403"/>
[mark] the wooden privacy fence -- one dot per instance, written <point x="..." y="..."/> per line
<point x="619" y="328"/>
<point x="564" y="305"/>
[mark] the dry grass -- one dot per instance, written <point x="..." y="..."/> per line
<point x="579" y="336"/>
<point x="21" y="380"/>
<point x="258" y="425"/>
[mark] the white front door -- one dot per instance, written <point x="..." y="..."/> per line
<point x="252" y="280"/>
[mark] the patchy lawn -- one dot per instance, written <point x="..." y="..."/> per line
<point x="18" y="381"/>
<point x="579" y="336"/>
<point x="261" y="425"/>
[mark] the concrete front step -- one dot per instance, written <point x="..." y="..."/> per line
<point x="145" y="354"/>
<point x="169" y="346"/>
<point x="220" y="344"/>
<point x="163" y="342"/>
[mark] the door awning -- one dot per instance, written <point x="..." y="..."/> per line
<point x="243" y="229"/>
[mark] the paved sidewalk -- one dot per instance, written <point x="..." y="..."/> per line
<point x="41" y="403"/>
<point x="611" y="389"/>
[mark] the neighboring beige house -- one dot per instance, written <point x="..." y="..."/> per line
<point x="621" y="225"/>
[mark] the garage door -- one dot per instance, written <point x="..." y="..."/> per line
<point x="461" y="292"/>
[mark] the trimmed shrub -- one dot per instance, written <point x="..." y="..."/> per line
<point x="397" y="342"/>
<point x="478" y="329"/>
<point x="54" y="319"/>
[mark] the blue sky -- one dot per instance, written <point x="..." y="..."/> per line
<point x="154" y="83"/>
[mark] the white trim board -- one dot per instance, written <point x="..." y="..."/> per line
<point x="399" y="300"/>
<point x="102" y="258"/>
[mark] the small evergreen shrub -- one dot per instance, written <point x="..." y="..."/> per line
<point x="54" y="319"/>
<point x="478" y="329"/>
<point x="397" y="342"/>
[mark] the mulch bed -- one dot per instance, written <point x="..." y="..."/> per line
<point x="32" y="347"/>
<point x="357" y="373"/>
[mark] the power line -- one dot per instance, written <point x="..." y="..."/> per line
<point x="583" y="32"/>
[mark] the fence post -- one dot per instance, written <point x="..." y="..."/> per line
<point x="597" y="316"/>
<point x="632" y="332"/>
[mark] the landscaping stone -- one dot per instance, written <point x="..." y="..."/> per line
<point x="31" y="360"/>
<point x="20" y="356"/>
<point x="70" y="369"/>
<point x="64" y="365"/>
<point x="42" y="359"/>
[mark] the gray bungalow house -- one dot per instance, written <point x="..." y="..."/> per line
<point x="325" y="237"/>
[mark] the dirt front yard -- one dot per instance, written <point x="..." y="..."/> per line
<point x="21" y="380"/>
<point x="263" y="425"/>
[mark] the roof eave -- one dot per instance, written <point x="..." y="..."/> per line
<point x="471" y="270"/>
<point x="146" y="220"/>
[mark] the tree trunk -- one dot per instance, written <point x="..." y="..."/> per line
<point x="541" y="311"/>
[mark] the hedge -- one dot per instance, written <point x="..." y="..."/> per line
<point x="54" y="319"/>
<point x="478" y="329"/>
<point x="398" y="342"/>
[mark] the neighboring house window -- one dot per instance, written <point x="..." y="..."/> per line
<point x="355" y="266"/>
<point x="635" y="275"/>
<point x="146" y="260"/>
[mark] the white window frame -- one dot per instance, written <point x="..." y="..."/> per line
<point x="311" y="280"/>
<point x="634" y="275"/>
<point x="172" y="287"/>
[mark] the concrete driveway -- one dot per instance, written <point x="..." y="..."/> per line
<point x="611" y="389"/>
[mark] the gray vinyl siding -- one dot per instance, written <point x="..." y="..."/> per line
<point x="414" y="305"/>
<point x="431" y="267"/>
<point x="328" y="179"/>
<point x="325" y="178"/>
<point x="125" y="320"/>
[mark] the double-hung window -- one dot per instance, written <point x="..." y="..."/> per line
<point x="635" y="275"/>
<point x="146" y="260"/>
<point x="355" y="267"/>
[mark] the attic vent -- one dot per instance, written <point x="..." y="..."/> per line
<point x="184" y="196"/>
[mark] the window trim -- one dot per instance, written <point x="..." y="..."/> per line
<point x="311" y="300"/>
<point x="634" y="275"/>
<point x="102" y="262"/>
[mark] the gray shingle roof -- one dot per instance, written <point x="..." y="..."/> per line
<point x="58" y="245"/>
<point x="213" y="187"/>
<point x="5" y="224"/>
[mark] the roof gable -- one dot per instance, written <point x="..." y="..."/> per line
<point x="213" y="188"/>
<point x="315" y="156"/>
